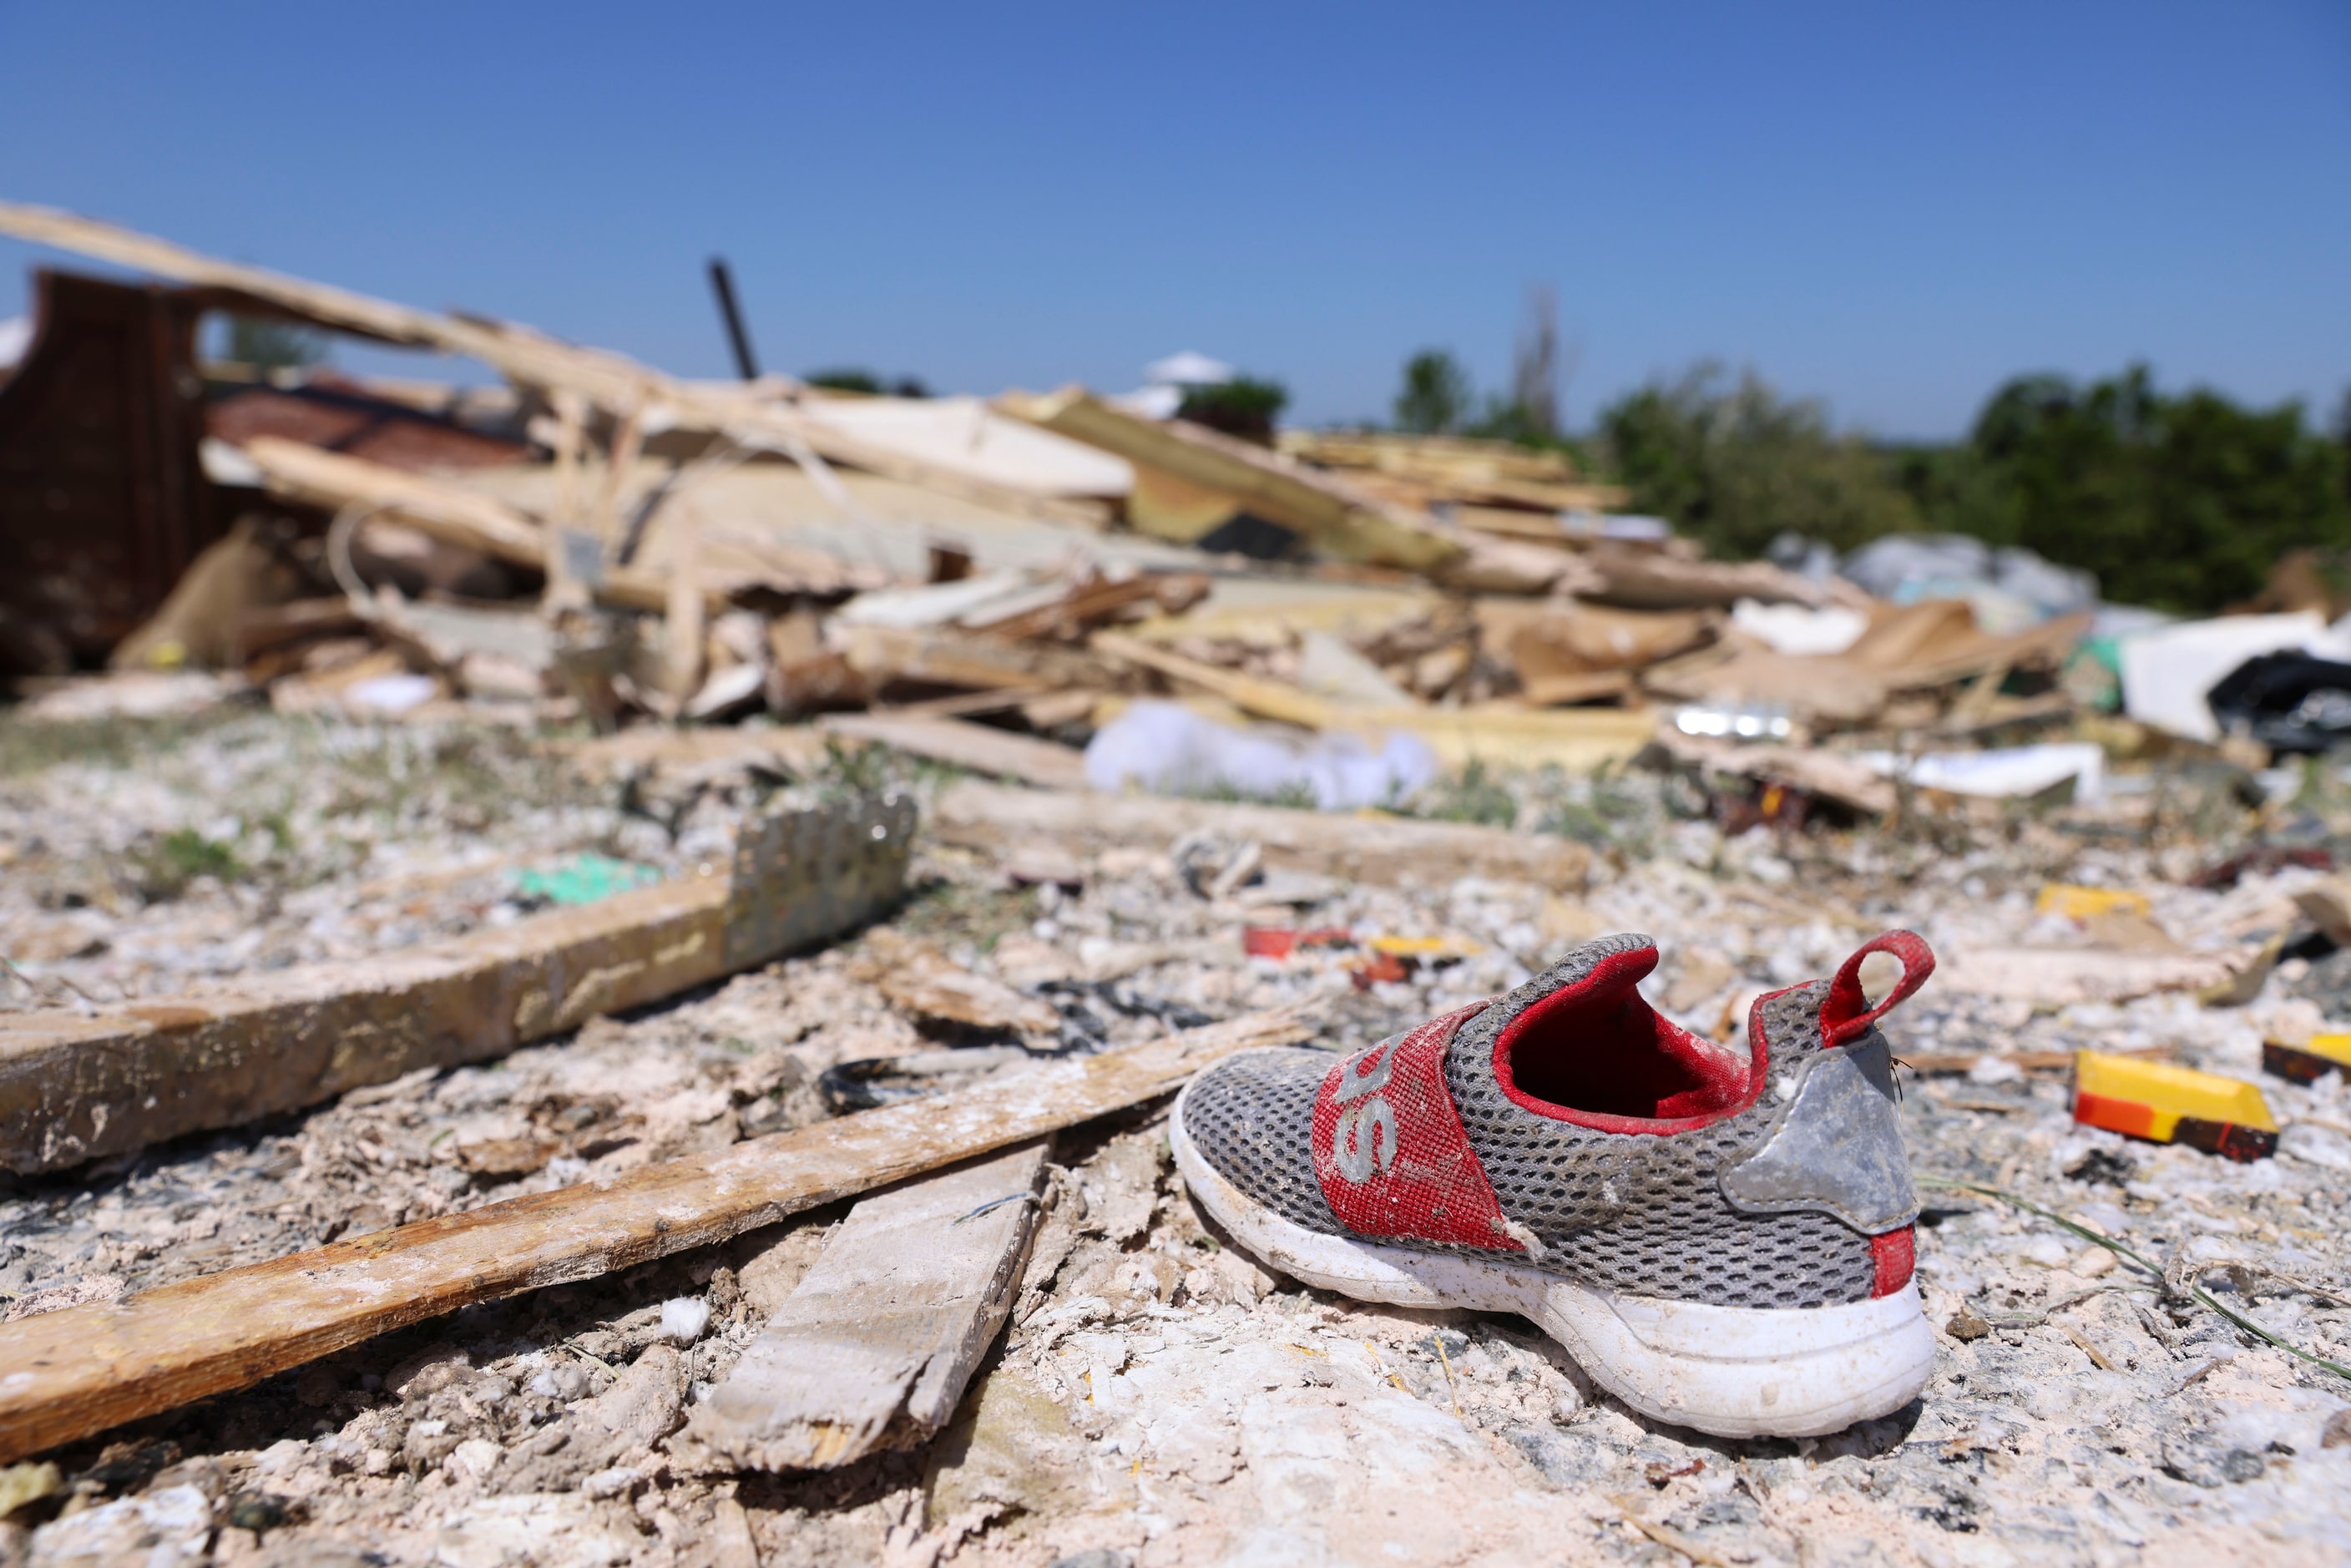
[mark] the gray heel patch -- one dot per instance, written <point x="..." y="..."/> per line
<point x="1838" y="1150"/>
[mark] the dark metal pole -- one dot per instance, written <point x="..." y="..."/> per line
<point x="722" y="282"/>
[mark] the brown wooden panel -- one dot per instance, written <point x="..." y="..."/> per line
<point x="103" y="502"/>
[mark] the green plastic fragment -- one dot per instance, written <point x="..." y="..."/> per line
<point x="584" y="879"/>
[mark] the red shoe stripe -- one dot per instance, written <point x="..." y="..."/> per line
<point x="1389" y="1149"/>
<point x="1896" y="1254"/>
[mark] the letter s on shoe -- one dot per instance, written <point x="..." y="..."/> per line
<point x="1366" y="1139"/>
<point x="1376" y="1065"/>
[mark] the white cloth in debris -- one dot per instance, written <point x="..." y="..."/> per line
<point x="2007" y="772"/>
<point x="1798" y="629"/>
<point x="2167" y="673"/>
<point x="1167" y="749"/>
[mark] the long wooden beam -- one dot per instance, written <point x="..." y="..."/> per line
<point x="964" y="744"/>
<point x="295" y="471"/>
<point x="76" y="1086"/>
<point x="66" y="1374"/>
<point x="1337" y="519"/>
<point x="1494" y="734"/>
<point x="1332" y="843"/>
<point x="614" y="383"/>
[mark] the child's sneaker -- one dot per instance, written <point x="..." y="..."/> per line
<point x="1721" y="1238"/>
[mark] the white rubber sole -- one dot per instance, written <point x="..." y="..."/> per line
<point x="1736" y="1372"/>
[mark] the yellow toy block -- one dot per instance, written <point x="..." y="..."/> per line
<point x="2173" y="1105"/>
<point x="2311" y="1060"/>
<point x="2077" y="902"/>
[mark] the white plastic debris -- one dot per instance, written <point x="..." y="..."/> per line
<point x="1798" y="630"/>
<point x="2006" y="772"/>
<point x="1167" y="749"/>
<point x="392" y="694"/>
<point x="1742" y="721"/>
<point x="940" y="603"/>
<point x="2167" y="673"/>
<point x="2009" y="588"/>
<point x="685" y="1317"/>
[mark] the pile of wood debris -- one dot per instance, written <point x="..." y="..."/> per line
<point x="984" y="583"/>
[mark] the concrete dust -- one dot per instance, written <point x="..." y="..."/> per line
<point x="1159" y="1399"/>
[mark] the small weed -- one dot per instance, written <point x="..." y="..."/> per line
<point x="279" y="826"/>
<point x="948" y="912"/>
<point x="1574" y="819"/>
<point x="168" y="865"/>
<point x="1473" y="795"/>
<point x="861" y="769"/>
<point x="1295" y="797"/>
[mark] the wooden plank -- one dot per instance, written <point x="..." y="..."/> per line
<point x="946" y="657"/>
<point x="1827" y="774"/>
<point x="1336" y="518"/>
<point x="1635" y="578"/>
<point x="66" y="1374"/>
<point x="750" y="415"/>
<point x="1364" y="847"/>
<point x="1045" y="763"/>
<point x="75" y="1086"/>
<point x="1506" y="736"/>
<point x="330" y="481"/>
<point x="874" y="1348"/>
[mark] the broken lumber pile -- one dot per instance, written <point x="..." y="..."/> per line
<point x="633" y="394"/>
<point x="65" y="1375"/>
<point x="75" y="1086"/>
<point x="1349" y="526"/>
<point x="1458" y="471"/>
<point x="1500" y="735"/>
<point x="1008" y="610"/>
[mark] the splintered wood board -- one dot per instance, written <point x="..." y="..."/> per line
<point x="967" y="745"/>
<point x="66" y="1374"/>
<point x="873" y="1349"/>
<point x="1362" y="848"/>
<point x="75" y="1086"/>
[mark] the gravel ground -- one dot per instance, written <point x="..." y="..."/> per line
<point x="1159" y="1399"/>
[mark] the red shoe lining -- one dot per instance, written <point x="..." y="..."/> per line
<point x="1597" y="1054"/>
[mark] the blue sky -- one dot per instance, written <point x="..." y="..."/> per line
<point x="1890" y="207"/>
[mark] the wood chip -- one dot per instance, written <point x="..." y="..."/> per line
<point x="874" y="1348"/>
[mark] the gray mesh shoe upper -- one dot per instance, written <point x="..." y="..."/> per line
<point x="1643" y="1213"/>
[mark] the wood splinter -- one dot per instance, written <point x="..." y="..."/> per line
<point x="873" y="1349"/>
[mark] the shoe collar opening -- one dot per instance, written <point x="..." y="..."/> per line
<point x="1597" y="1054"/>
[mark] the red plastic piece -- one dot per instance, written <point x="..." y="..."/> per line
<point x="1281" y="941"/>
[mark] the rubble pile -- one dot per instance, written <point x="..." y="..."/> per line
<point x="1004" y="581"/>
<point x="1157" y="1395"/>
<point x="601" y="978"/>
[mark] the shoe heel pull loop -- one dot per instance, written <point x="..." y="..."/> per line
<point x="1847" y="1013"/>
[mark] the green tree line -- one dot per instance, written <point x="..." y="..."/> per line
<point x="2181" y="500"/>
